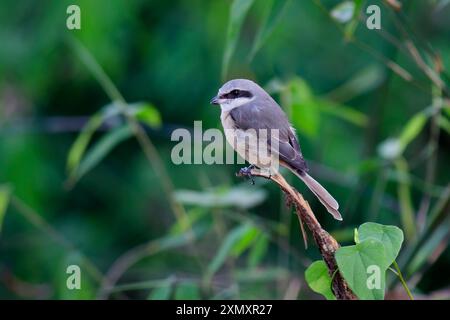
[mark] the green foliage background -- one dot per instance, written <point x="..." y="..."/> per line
<point x="373" y="126"/>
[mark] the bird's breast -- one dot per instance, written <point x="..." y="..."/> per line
<point x="246" y="143"/>
<point x="232" y="134"/>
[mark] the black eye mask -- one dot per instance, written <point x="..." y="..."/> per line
<point x="234" y="94"/>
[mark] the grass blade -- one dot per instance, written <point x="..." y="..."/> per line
<point x="5" y="194"/>
<point x="238" y="12"/>
<point x="79" y="147"/>
<point x="412" y="129"/>
<point x="226" y="248"/>
<point x="101" y="150"/>
<point x="404" y="195"/>
<point x="272" y="17"/>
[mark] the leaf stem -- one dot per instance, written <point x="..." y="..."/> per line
<point x="402" y="280"/>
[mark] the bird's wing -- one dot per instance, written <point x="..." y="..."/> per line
<point x="264" y="115"/>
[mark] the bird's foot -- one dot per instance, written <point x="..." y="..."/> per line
<point x="247" y="172"/>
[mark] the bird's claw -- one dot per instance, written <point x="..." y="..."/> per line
<point x="247" y="172"/>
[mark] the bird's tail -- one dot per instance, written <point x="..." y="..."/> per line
<point x="321" y="193"/>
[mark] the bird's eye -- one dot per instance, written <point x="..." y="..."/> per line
<point x="233" y="94"/>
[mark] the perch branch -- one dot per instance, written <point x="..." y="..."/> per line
<point x="325" y="242"/>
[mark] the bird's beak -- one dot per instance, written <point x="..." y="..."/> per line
<point x="215" y="100"/>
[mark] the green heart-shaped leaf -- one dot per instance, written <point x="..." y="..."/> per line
<point x="390" y="236"/>
<point x="319" y="280"/>
<point x="364" y="267"/>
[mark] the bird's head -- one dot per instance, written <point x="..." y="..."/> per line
<point x="235" y="93"/>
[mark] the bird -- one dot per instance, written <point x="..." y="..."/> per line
<point x="247" y="110"/>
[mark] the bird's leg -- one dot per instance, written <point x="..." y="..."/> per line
<point x="247" y="172"/>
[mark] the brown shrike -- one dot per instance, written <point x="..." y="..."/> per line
<point x="253" y="122"/>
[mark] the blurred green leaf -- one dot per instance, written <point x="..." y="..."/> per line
<point x="318" y="279"/>
<point x="258" y="250"/>
<point x="240" y="197"/>
<point x="5" y="194"/>
<point x="78" y="148"/>
<point x="392" y="148"/>
<point x="246" y="241"/>
<point x="412" y="128"/>
<point x="171" y="241"/>
<point x="162" y="293"/>
<point x="446" y="108"/>
<point x="357" y="264"/>
<point x="343" y="112"/>
<point x="100" y="150"/>
<point x="360" y="83"/>
<point x="353" y="24"/>
<point x="187" y="291"/>
<point x="404" y="195"/>
<point x="390" y="236"/>
<point x="439" y="238"/>
<point x="142" y="111"/>
<point x="444" y="123"/>
<point x="97" y="71"/>
<point x="233" y="237"/>
<point x="347" y="12"/>
<point x="193" y="215"/>
<point x="238" y="12"/>
<point x="148" y="114"/>
<point x="305" y="114"/>
<point x="271" y="18"/>
<point x="306" y="108"/>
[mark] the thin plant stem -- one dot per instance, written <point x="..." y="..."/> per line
<point x="402" y="280"/>
<point x="143" y="139"/>
<point x="36" y="220"/>
<point x="430" y="173"/>
<point x="405" y="198"/>
<point x="393" y="66"/>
